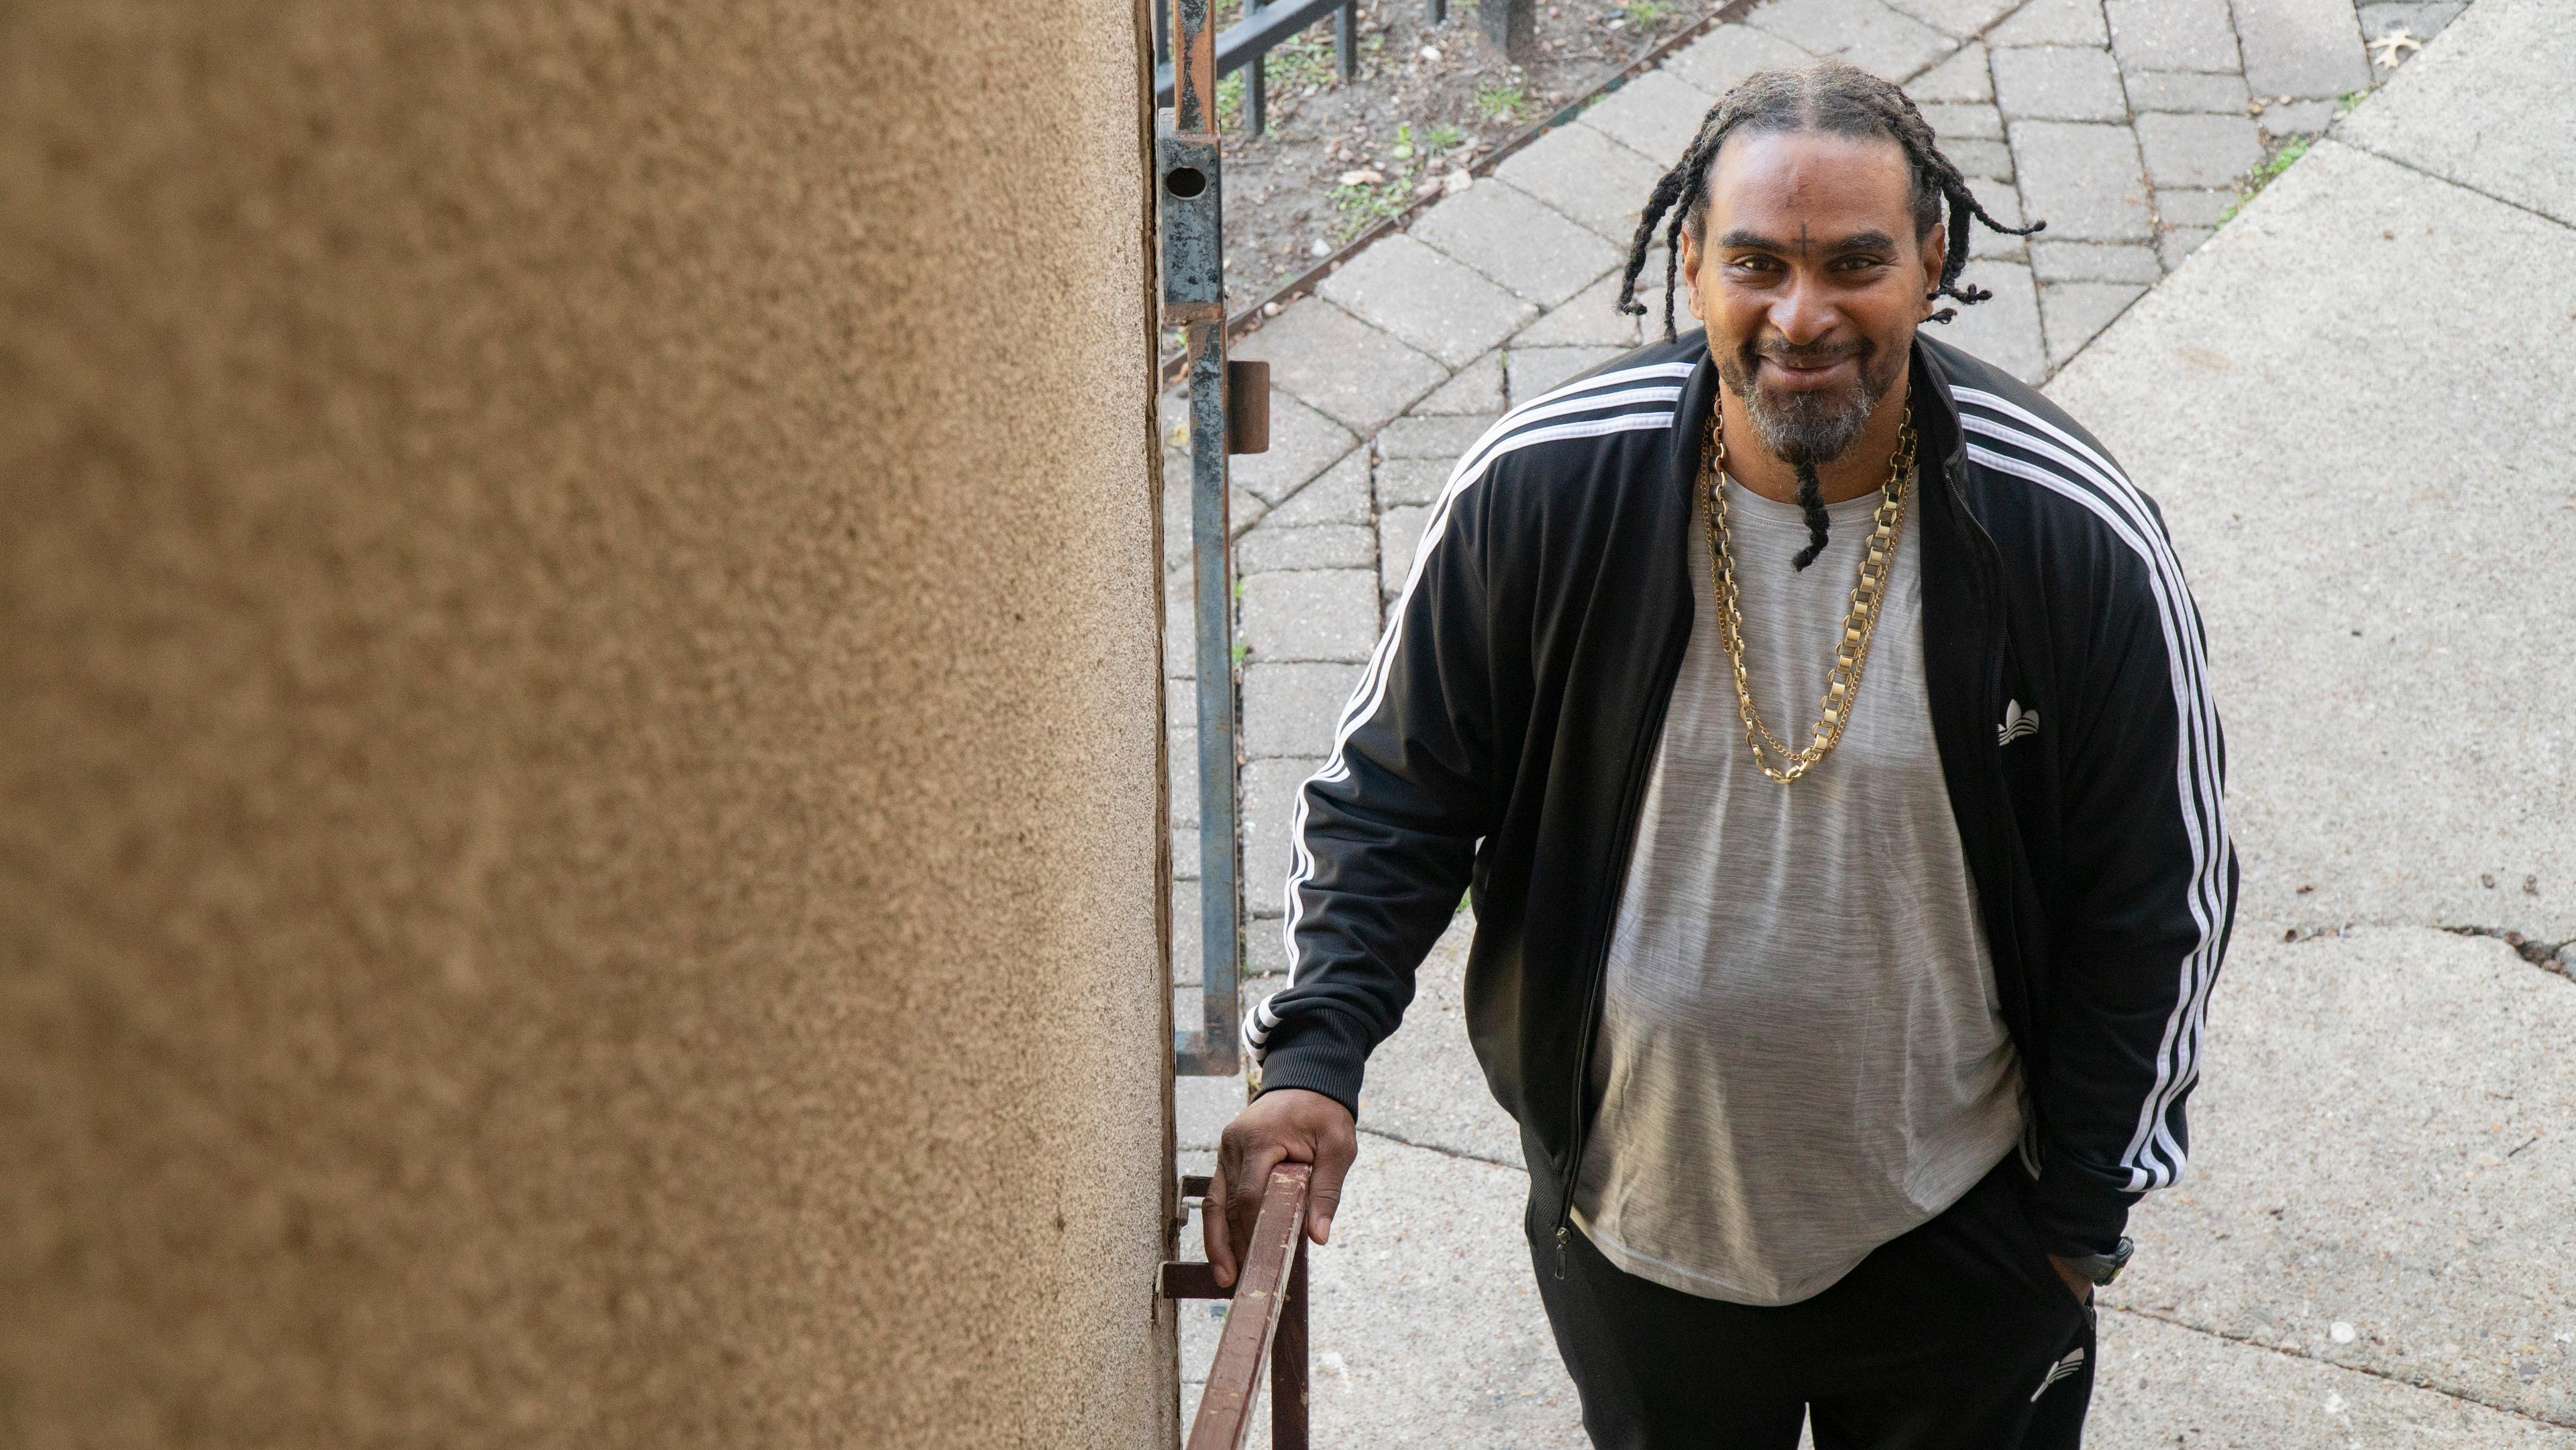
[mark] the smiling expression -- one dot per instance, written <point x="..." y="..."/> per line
<point x="1810" y="275"/>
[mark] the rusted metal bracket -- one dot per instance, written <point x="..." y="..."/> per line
<point x="1247" y="406"/>
<point x="1193" y="227"/>
<point x="1183" y="1279"/>
<point x="1268" y="1320"/>
<point x="1189" y="177"/>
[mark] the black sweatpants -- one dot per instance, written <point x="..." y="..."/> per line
<point x="1956" y="1336"/>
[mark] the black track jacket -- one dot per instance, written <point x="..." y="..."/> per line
<point x="1502" y="734"/>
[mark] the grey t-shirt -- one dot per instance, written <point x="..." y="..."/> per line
<point x="1801" y="1054"/>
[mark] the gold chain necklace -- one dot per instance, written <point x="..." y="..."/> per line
<point x="1860" y="623"/>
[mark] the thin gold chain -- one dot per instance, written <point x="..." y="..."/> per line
<point x="1860" y="622"/>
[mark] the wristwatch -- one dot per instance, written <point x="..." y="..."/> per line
<point x="2103" y="1268"/>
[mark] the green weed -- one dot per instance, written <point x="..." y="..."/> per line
<point x="1305" y="61"/>
<point x="1363" y="206"/>
<point x="2265" y="174"/>
<point x="1497" y="101"/>
<point x="1300" y="63"/>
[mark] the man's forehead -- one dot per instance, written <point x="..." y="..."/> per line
<point x="1829" y="182"/>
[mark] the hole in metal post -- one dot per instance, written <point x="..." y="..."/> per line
<point x="1185" y="181"/>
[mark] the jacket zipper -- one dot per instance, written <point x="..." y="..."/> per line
<point x="1991" y="561"/>
<point x="1990" y="572"/>
<point x="1640" y="757"/>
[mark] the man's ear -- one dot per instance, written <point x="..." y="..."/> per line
<point x="1690" y="273"/>
<point x="1936" y="254"/>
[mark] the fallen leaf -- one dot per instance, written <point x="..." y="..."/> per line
<point x="2391" y="47"/>
<point x="1363" y="177"/>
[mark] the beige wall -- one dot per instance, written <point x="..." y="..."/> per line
<point x="578" y="784"/>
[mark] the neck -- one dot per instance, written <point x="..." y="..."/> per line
<point x="1861" y="469"/>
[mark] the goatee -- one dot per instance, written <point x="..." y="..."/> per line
<point x="1807" y="427"/>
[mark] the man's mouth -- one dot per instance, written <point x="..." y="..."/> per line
<point x="1812" y="370"/>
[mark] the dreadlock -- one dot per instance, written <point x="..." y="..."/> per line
<point x="1839" y="100"/>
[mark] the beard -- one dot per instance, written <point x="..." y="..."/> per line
<point x="1805" y="427"/>
<point x="1808" y="426"/>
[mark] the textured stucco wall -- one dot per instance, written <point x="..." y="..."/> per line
<point x="578" y="780"/>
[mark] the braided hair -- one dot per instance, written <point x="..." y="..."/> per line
<point x="1833" y="98"/>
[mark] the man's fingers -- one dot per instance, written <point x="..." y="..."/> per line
<point x="1332" y="1164"/>
<point x="1212" y="1230"/>
<point x="1291" y="1125"/>
<point x="1245" y="1211"/>
<point x="1319" y="1212"/>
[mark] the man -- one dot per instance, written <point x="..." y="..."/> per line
<point x="1842" y="1036"/>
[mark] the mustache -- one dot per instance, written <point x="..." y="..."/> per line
<point x="1814" y="354"/>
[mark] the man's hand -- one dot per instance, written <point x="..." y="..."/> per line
<point x="2076" y="1284"/>
<point x="1290" y="1125"/>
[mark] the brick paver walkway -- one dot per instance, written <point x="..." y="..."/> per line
<point x="2127" y="124"/>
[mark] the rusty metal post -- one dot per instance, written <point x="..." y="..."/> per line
<point x="1288" y="1398"/>
<point x="1194" y="298"/>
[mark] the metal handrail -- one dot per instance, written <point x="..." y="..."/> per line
<point x="1267" y="1322"/>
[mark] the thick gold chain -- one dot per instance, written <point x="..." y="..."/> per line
<point x="1851" y="653"/>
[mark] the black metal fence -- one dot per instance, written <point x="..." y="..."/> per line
<point x="1246" y="45"/>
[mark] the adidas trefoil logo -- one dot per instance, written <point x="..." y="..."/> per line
<point x="2073" y="1362"/>
<point x="2018" y="722"/>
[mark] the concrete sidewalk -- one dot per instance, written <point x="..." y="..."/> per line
<point x="2351" y="404"/>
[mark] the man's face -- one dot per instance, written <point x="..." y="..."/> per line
<point x="1811" y="281"/>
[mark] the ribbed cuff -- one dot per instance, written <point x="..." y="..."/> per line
<point x="2074" y="1217"/>
<point x="1320" y="1050"/>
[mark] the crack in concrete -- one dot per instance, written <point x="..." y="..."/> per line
<point x="1459" y="1153"/>
<point x="2404" y="164"/>
<point x="2546" y="955"/>
<point x="2361" y="1369"/>
<point x="2555" y="957"/>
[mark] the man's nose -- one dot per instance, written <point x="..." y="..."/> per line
<point x="1803" y="314"/>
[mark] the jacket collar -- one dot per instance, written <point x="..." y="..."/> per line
<point x="1690" y="418"/>
<point x="1936" y="413"/>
